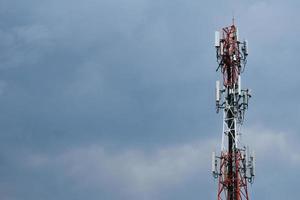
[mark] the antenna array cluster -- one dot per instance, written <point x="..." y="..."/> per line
<point x="235" y="166"/>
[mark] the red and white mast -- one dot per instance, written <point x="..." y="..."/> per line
<point x="234" y="167"/>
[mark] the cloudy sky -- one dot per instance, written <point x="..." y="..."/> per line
<point x="114" y="99"/>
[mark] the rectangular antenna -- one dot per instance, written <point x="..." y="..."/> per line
<point x="222" y="49"/>
<point x="217" y="39"/>
<point x="253" y="163"/>
<point x="218" y="95"/>
<point x="239" y="85"/>
<point x="214" y="163"/>
<point x="246" y="47"/>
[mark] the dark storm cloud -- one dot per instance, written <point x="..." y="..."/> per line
<point x="109" y="68"/>
<point x="82" y="78"/>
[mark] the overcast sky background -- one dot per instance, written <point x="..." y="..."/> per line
<point x="114" y="99"/>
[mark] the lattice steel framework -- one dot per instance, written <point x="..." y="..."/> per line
<point x="234" y="167"/>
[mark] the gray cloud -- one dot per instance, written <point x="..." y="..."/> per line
<point x="133" y="173"/>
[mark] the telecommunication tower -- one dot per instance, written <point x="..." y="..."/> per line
<point x="234" y="167"/>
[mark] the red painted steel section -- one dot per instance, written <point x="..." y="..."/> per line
<point x="230" y="56"/>
<point x="239" y="182"/>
